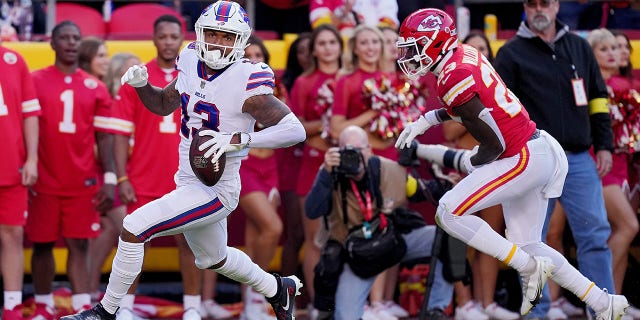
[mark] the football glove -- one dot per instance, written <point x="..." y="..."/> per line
<point x="412" y="131"/>
<point x="136" y="76"/>
<point x="219" y="144"/>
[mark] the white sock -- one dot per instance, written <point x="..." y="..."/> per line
<point x="191" y="301"/>
<point x="127" y="301"/>
<point x="12" y="299"/>
<point x="80" y="300"/>
<point x="571" y="279"/>
<point x="239" y="267"/>
<point x="126" y="266"/>
<point x="46" y="299"/>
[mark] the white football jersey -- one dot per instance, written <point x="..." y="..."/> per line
<point x="215" y="102"/>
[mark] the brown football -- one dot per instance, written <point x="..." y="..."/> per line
<point x="208" y="172"/>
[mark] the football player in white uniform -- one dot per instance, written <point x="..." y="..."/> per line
<point x="222" y="94"/>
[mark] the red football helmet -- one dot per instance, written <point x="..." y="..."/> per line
<point x="425" y="37"/>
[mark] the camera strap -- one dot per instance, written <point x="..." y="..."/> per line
<point x="366" y="208"/>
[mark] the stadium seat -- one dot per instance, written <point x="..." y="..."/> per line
<point x="89" y="20"/>
<point x="135" y="21"/>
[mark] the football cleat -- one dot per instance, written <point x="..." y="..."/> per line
<point x="617" y="308"/>
<point x="96" y="313"/>
<point x="532" y="284"/>
<point x="283" y="302"/>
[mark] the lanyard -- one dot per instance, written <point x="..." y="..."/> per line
<point x="367" y="209"/>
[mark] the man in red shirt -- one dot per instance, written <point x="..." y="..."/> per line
<point x="66" y="199"/>
<point x="141" y="177"/>
<point x="19" y="108"/>
<point x="515" y="164"/>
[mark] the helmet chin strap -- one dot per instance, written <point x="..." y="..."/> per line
<point x="213" y="55"/>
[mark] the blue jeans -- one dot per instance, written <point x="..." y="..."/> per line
<point x="587" y="217"/>
<point x="353" y="291"/>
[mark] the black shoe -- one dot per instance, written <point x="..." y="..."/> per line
<point x="283" y="302"/>
<point x="96" y="313"/>
<point x="436" y="314"/>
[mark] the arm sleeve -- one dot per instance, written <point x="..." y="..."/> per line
<point x="30" y="104"/>
<point x="287" y="132"/>
<point x="101" y="119"/>
<point x="122" y="112"/>
<point x="318" y="201"/>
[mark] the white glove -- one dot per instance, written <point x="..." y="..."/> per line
<point x="412" y="131"/>
<point x="219" y="144"/>
<point x="466" y="160"/>
<point x="136" y="76"/>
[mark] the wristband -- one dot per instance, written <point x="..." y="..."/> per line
<point x="123" y="179"/>
<point x="432" y="118"/>
<point x="110" y="178"/>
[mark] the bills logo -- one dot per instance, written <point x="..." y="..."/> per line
<point x="430" y="23"/>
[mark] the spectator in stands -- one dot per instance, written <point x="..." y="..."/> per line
<point x="625" y="118"/>
<point x="66" y="203"/>
<point x="19" y="170"/>
<point x="297" y="62"/>
<point x="626" y="69"/>
<point x="311" y="100"/>
<point x="347" y="14"/>
<point x="259" y="199"/>
<point x="93" y="58"/>
<point x="563" y="88"/>
<point x="142" y="179"/>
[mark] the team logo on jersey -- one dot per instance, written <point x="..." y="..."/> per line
<point x="430" y="23"/>
<point x="90" y="83"/>
<point x="10" y="58"/>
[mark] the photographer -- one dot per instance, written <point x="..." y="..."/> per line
<point x="372" y="190"/>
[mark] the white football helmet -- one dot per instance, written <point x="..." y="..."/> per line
<point x="226" y="16"/>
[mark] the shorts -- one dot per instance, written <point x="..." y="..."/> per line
<point x="619" y="174"/>
<point x="13" y="205"/>
<point x="51" y="216"/>
<point x="312" y="159"/>
<point x="142" y="200"/>
<point x="290" y="160"/>
<point x="259" y="175"/>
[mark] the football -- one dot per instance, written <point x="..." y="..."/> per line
<point x="206" y="171"/>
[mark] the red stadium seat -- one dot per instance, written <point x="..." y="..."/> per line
<point x="89" y="20"/>
<point x="135" y="21"/>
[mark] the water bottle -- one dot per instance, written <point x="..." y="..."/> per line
<point x="26" y="19"/>
<point x="491" y="27"/>
<point x="463" y="22"/>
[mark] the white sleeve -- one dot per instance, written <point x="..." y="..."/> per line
<point x="182" y="61"/>
<point x="287" y="132"/>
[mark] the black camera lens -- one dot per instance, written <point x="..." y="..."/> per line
<point x="349" y="161"/>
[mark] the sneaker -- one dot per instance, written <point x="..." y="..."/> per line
<point x="555" y="313"/>
<point x="532" y="284"/>
<point x="436" y="314"/>
<point x="191" y="314"/>
<point x="633" y="312"/>
<point x="381" y="311"/>
<point x="13" y="314"/>
<point x="211" y="309"/>
<point x="617" y="308"/>
<point x="395" y="309"/>
<point x="569" y="309"/>
<point x="469" y="312"/>
<point x="43" y="312"/>
<point x="95" y="313"/>
<point x="369" y="314"/>
<point x="283" y="302"/>
<point x="496" y="312"/>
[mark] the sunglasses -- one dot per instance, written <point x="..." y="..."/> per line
<point x="541" y="3"/>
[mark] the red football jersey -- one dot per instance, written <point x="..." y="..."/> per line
<point x="468" y="73"/>
<point x="154" y="156"/>
<point x="74" y="106"/>
<point x="310" y="93"/>
<point x="17" y="101"/>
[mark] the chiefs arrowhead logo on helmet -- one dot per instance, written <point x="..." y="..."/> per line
<point x="430" y="23"/>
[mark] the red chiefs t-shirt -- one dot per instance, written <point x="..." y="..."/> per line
<point x="309" y="92"/>
<point x="17" y="102"/>
<point x="74" y="107"/>
<point x="154" y="156"/>
<point x="467" y="74"/>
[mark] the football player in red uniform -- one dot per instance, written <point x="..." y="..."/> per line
<point x="515" y="164"/>
<point x="19" y="109"/>
<point x="66" y="199"/>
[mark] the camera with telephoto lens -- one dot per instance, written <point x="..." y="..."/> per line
<point x="408" y="157"/>
<point x="350" y="159"/>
